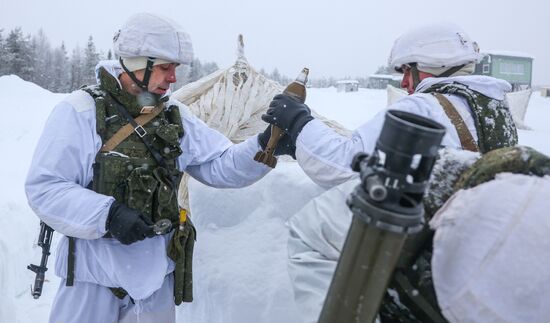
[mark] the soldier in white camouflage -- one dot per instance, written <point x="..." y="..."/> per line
<point x="106" y="170"/>
<point x="437" y="61"/>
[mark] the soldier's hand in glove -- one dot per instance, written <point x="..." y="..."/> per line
<point x="289" y="115"/>
<point x="284" y="147"/>
<point x="128" y="225"/>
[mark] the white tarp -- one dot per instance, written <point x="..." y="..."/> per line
<point x="491" y="252"/>
<point x="232" y="101"/>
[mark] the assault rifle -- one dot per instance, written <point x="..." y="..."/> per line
<point x="44" y="242"/>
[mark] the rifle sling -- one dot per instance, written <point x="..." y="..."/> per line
<point x="70" y="262"/>
<point x="466" y="139"/>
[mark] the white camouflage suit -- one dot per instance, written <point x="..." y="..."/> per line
<point x="56" y="189"/>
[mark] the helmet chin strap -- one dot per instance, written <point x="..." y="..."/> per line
<point x="415" y="75"/>
<point x="451" y="70"/>
<point x="146" y="76"/>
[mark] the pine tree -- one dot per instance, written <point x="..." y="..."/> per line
<point x="209" y="68"/>
<point x="275" y="76"/>
<point x="19" y="55"/>
<point x="91" y="58"/>
<point x="60" y="67"/>
<point x="182" y="76"/>
<point x="195" y="72"/>
<point x="3" y="57"/>
<point x="42" y="52"/>
<point x="75" y="79"/>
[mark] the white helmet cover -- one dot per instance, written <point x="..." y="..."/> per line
<point x="149" y="35"/>
<point x="434" y="46"/>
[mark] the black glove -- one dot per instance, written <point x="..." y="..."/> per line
<point x="284" y="147"/>
<point x="128" y="225"/>
<point x="289" y="115"/>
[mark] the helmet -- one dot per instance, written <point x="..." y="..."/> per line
<point x="149" y="35"/>
<point x="441" y="45"/>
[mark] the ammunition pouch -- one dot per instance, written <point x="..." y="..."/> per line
<point x="180" y="251"/>
<point x="139" y="185"/>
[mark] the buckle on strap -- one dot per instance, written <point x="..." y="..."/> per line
<point x="140" y="131"/>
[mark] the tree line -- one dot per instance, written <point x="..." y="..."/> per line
<point x="34" y="59"/>
<point x="320" y="82"/>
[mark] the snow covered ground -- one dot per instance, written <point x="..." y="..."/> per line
<point x="240" y="259"/>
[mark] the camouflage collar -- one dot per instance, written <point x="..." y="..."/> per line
<point x="132" y="103"/>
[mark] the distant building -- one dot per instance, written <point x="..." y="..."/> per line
<point x="381" y="81"/>
<point x="347" y="86"/>
<point x="516" y="68"/>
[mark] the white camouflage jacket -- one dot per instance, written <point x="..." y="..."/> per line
<point x="62" y="168"/>
<point x="325" y="156"/>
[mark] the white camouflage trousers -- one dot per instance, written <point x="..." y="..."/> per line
<point x="92" y="303"/>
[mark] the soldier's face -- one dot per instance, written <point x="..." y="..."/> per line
<point x="161" y="77"/>
<point x="407" y="81"/>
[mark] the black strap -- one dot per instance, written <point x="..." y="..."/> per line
<point x="146" y="76"/>
<point x="451" y="71"/>
<point x="415" y="75"/>
<point x="422" y="304"/>
<point x="70" y="262"/>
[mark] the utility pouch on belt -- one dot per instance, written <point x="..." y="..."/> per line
<point x="180" y="250"/>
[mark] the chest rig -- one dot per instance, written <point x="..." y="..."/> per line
<point x="141" y="171"/>
<point x="492" y="118"/>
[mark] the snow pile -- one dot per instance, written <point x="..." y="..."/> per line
<point x="240" y="260"/>
<point x="25" y="108"/>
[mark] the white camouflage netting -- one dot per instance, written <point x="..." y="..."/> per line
<point x="232" y="101"/>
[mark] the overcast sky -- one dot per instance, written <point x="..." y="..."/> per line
<point x="333" y="38"/>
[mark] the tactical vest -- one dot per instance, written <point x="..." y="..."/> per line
<point x="411" y="296"/>
<point x="492" y="118"/>
<point x="141" y="177"/>
<point x="129" y="172"/>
